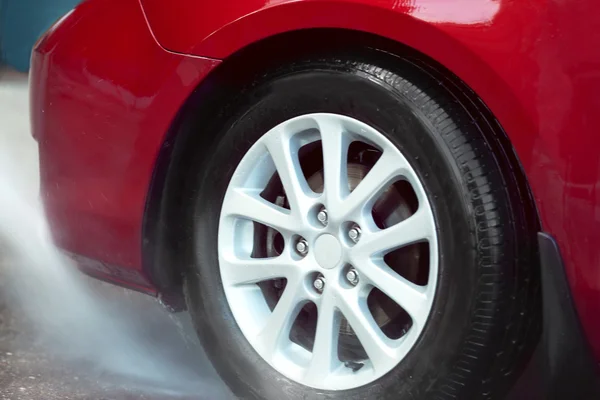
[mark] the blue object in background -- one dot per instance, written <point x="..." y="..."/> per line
<point x="21" y="24"/>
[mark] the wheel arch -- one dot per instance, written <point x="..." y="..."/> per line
<point x="190" y="132"/>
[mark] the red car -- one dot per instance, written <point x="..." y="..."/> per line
<point x="354" y="199"/>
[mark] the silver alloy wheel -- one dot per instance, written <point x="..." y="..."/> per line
<point x="330" y="252"/>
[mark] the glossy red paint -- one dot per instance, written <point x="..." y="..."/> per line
<point x="104" y="94"/>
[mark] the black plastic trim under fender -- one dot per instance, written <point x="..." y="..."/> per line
<point x="570" y="369"/>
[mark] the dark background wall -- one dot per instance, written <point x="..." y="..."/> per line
<point x="22" y="22"/>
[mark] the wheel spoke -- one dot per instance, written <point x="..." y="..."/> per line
<point x="377" y="180"/>
<point x="335" y="159"/>
<point x="290" y="173"/>
<point x="236" y="271"/>
<point x="324" y="356"/>
<point x="279" y="323"/>
<point x="245" y="204"/>
<point x="376" y="344"/>
<point x="416" y="228"/>
<point x="410" y="297"/>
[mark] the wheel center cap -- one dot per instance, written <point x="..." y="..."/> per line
<point x="328" y="251"/>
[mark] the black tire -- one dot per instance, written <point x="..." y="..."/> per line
<point x="483" y="323"/>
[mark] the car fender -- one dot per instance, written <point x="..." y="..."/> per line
<point x="462" y="36"/>
<point x="456" y="35"/>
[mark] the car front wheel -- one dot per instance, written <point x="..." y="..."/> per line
<point x="353" y="237"/>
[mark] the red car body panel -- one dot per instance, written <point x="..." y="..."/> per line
<point x="112" y="96"/>
<point x="102" y="100"/>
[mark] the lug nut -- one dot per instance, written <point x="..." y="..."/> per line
<point x="352" y="276"/>
<point x="354" y="233"/>
<point x="302" y="247"/>
<point x="322" y="216"/>
<point x="319" y="284"/>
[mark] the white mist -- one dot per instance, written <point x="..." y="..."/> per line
<point x="71" y="318"/>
